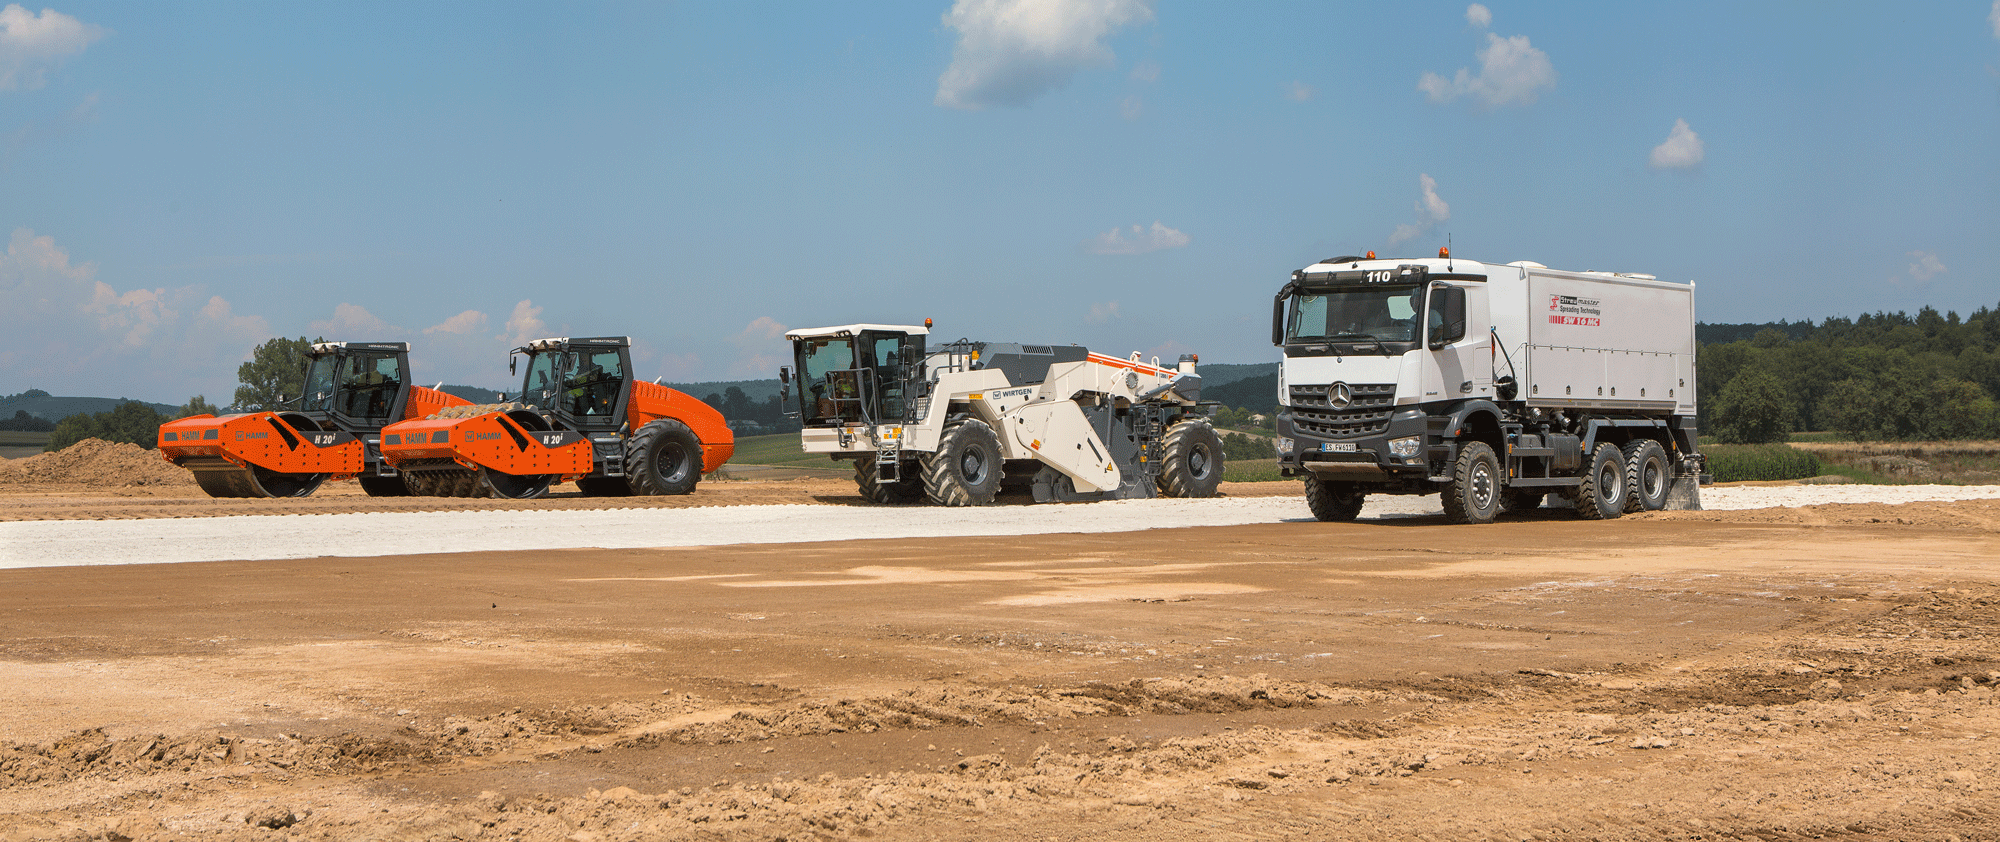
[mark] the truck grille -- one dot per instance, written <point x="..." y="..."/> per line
<point x="1367" y="411"/>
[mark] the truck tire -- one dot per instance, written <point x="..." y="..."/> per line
<point x="664" y="457"/>
<point x="1648" y="477"/>
<point x="909" y="489"/>
<point x="1191" y="454"/>
<point x="966" y="469"/>
<point x="1333" y="502"/>
<point x="384" y="486"/>
<point x="1521" y="500"/>
<point x="1601" y="495"/>
<point x="1473" y="495"/>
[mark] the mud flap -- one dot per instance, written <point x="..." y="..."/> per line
<point x="1684" y="494"/>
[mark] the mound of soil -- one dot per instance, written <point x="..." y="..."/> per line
<point x="475" y="410"/>
<point x="99" y="464"/>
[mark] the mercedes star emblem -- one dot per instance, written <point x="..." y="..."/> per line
<point x="1339" y="396"/>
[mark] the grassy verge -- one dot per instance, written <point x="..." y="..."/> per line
<point x="1911" y="462"/>
<point x="778" y="449"/>
<point x="1250" y="470"/>
<point x="16" y="438"/>
<point x="1747" y="462"/>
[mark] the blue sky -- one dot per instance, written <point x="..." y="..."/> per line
<point x="179" y="182"/>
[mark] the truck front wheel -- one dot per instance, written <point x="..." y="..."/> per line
<point x="966" y="469"/>
<point x="1473" y="496"/>
<point x="1333" y="502"/>
<point x="908" y="489"/>
<point x="1601" y="495"/>
<point x="1191" y="454"/>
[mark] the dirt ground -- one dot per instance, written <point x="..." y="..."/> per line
<point x="1827" y="671"/>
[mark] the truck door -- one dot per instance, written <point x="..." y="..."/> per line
<point x="1455" y="333"/>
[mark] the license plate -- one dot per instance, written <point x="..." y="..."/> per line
<point x="1337" y="447"/>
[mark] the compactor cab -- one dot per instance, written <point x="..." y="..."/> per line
<point x="858" y="374"/>
<point x="580" y="415"/>
<point x="332" y="431"/>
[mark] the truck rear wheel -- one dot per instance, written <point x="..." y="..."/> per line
<point x="664" y="457"/>
<point x="908" y="489"/>
<point x="966" y="469"/>
<point x="1192" y="457"/>
<point x="1333" y="502"/>
<point x="1648" y="478"/>
<point x="1601" y="495"/>
<point x="1473" y="495"/>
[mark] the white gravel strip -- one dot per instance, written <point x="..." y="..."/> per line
<point x="62" y="543"/>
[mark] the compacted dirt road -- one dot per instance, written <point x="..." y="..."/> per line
<point x="1827" y="671"/>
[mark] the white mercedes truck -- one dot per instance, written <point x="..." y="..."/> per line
<point x="1493" y="385"/>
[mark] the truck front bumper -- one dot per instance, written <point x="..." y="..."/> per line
<point x="1401" y="451"/>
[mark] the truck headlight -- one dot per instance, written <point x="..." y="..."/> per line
<point x="1404" y="447"/>
<point x="1286" y="446"/>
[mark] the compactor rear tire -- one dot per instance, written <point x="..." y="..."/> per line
<point x="909" y="489"/>
<point x="1192" y="457"/>
<point x="664" y="457"/>
<point x="966" y="469"/>
<point x="1601" y="495"/>
<point x="384" y="486"/>
<point x="1473" y="495"/>
<point x="1333" y="502"/>
<point x="1648" y="477"/>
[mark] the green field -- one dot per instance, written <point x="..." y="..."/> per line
<point x="780" y="449"/>
<point x="16" y="438"/>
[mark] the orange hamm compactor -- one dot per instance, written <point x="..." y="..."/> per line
<point x="579" y="416"/>
<point x="352" y="390"/>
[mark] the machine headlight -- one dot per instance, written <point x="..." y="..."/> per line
<point x="1286" y="446"/>
<point x="1404" y="447"/>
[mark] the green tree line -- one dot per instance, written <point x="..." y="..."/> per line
<point x="1875" y="377"/>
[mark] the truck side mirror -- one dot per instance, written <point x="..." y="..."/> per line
<point x="784" y="386"/>
<point x="1449" y="304"/>
<point x="510" y="365"/>
<point x="1278" y="320"/>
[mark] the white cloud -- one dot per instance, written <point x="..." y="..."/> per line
<point x="463" y="324"/>
<point x="71" y="332"/>
<point x="1300" y="92"/>
<point x="1431" y="210"/>
<point x="525" y="325"/>
<point x="353" y="323"/>
<point x="30" y="44"/>
<point x="1011" y="51"/>
<point x="1479" y="16"/>
<point x="760" y="349"/>
<point x="1132" y="108"/>
<point x="1925" y="266"/>
<point x="1143" y="240"/>
<point x="1101" y="313"/>
<point x="1681" y="150"/>
<point x="1146" y="71"/>
<point x="1511" y="72"/>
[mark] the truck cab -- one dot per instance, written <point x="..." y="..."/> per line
<point x="861" y="374"/>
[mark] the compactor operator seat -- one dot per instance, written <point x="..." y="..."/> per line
<point x="592" y="391"/>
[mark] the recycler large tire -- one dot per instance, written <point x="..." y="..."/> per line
<point x="1191" y="454"/>
<point x="908" y="489"/>
<point x="1648" y="477"/>
<point x="1601" y="495"/>
<point x="966" y="469"/>
<point x="1333" y="502"/>
<point x="664" y="457"/>
<point x="1473" y="495"/>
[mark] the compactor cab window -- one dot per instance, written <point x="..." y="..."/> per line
<point x="593" y="378"/>
<point x="827" y="382"/>
<point x="368" y="385"/>
<point x="538" y="387"/>
<point x="320" y="379"/>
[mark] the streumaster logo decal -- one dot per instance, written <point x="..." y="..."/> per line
<point x="1571" y="310"/>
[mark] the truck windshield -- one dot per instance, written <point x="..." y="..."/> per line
<point x="1383" y="312"/>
